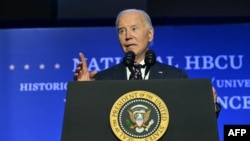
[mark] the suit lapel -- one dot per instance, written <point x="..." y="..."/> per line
<point x="156" y="72"/>
<point x="120" y="72"/>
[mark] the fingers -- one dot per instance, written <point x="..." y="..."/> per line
<point x="81" y="68"/>
<point x="78" y="71"/>
<point x="92" y="75"/>
<point x="214" y="94"/>
<point x="81" y="72"/>
<point x="83" y="64"/>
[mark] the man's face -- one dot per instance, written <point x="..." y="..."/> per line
<point x="134" y="35"/>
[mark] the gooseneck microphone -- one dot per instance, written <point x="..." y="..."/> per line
<point x="129" y="60"/>
<point x="150" y="59"/>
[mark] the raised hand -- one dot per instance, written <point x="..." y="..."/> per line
<point x="81" y="72"/>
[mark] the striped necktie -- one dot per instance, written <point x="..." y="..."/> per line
<point x="137" y="73"/>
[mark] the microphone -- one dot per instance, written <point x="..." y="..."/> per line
<point x="128" y="61"/>
<point x="150" y="59"/>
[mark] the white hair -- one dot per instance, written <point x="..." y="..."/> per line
<point x="146" y="16"/>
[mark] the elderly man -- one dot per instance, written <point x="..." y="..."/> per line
<point x="135" y="32"/>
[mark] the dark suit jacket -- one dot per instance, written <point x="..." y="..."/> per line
<point x="157" y="71"/>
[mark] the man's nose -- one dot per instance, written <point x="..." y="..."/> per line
<point x="128" y="35"/>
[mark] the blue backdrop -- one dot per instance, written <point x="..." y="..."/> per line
<point x="37" y="63"/>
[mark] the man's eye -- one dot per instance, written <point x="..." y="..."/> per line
<point x="134" y="28"/>
<point x="120" y="31"/>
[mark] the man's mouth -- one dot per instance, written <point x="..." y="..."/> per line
<point x="130" y="45"/>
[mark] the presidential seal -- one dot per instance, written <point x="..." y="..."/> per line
<point x="139" y="116"/>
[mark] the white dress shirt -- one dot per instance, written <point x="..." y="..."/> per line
<point x="142" y="72"/>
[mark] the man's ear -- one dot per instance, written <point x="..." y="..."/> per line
<point x="151" y="34"/>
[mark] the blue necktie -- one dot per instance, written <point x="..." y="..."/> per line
<point x="137" y="73"/>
